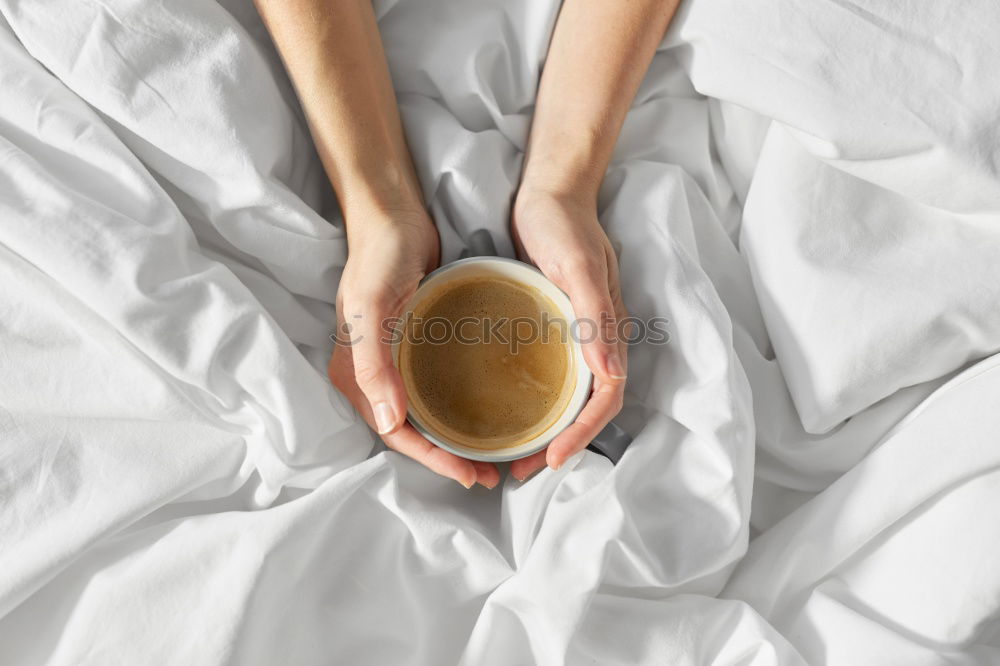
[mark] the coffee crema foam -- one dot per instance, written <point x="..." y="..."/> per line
<point x="486" y="395"/>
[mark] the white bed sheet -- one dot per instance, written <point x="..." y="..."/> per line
<point x="809" y="193"/>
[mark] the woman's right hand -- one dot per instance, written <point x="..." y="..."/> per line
<point x="389" y="251"/>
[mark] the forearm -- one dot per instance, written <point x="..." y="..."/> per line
<point x="333" y="54"/>
<point x="598" y="56"/>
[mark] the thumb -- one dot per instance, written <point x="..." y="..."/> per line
<point x="596" y="329"/>
<point x="374" y="372"/>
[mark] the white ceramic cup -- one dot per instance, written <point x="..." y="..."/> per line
<point x="522" y="273"/>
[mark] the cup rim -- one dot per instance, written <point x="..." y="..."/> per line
<point x="540" y="441"/>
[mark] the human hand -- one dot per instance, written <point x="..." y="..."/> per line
<point x="386" y="260"/>
<point x="562" y="237"/>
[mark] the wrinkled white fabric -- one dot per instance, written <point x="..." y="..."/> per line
<point x="808" y="192"/>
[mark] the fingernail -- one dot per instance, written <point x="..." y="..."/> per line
<point x="467" y="485"/>
<point x="522" y="479"/>
<point x="385" y="417"/>
<point x="488" y="486"/>
<point x="614" y="365"/>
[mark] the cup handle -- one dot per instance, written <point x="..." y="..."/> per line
<point x="611" y="442"/>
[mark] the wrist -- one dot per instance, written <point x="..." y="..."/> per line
<point x="533" y="194"/>
<point x="578" y="191"/>
<point x="564" y="176"/>
<point x="567" y="164"/>
<point x="375" y="220"/>
<point x="385" y="196"/>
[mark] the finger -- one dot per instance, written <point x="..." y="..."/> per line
<point x="597" y="327"/>
<point x="405" y="439"/>
<point x="409" y="442"/>
<point x="374" y="371"/>
<point x="487" y="474"/>
<point x="522" y="468"/>
<point x="604" y="403"/>
<point x="341" y="372"/>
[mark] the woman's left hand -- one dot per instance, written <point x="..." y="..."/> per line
<point x="562" y="237"/>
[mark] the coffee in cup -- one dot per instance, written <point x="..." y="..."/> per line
<point x="491" y="369"/>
